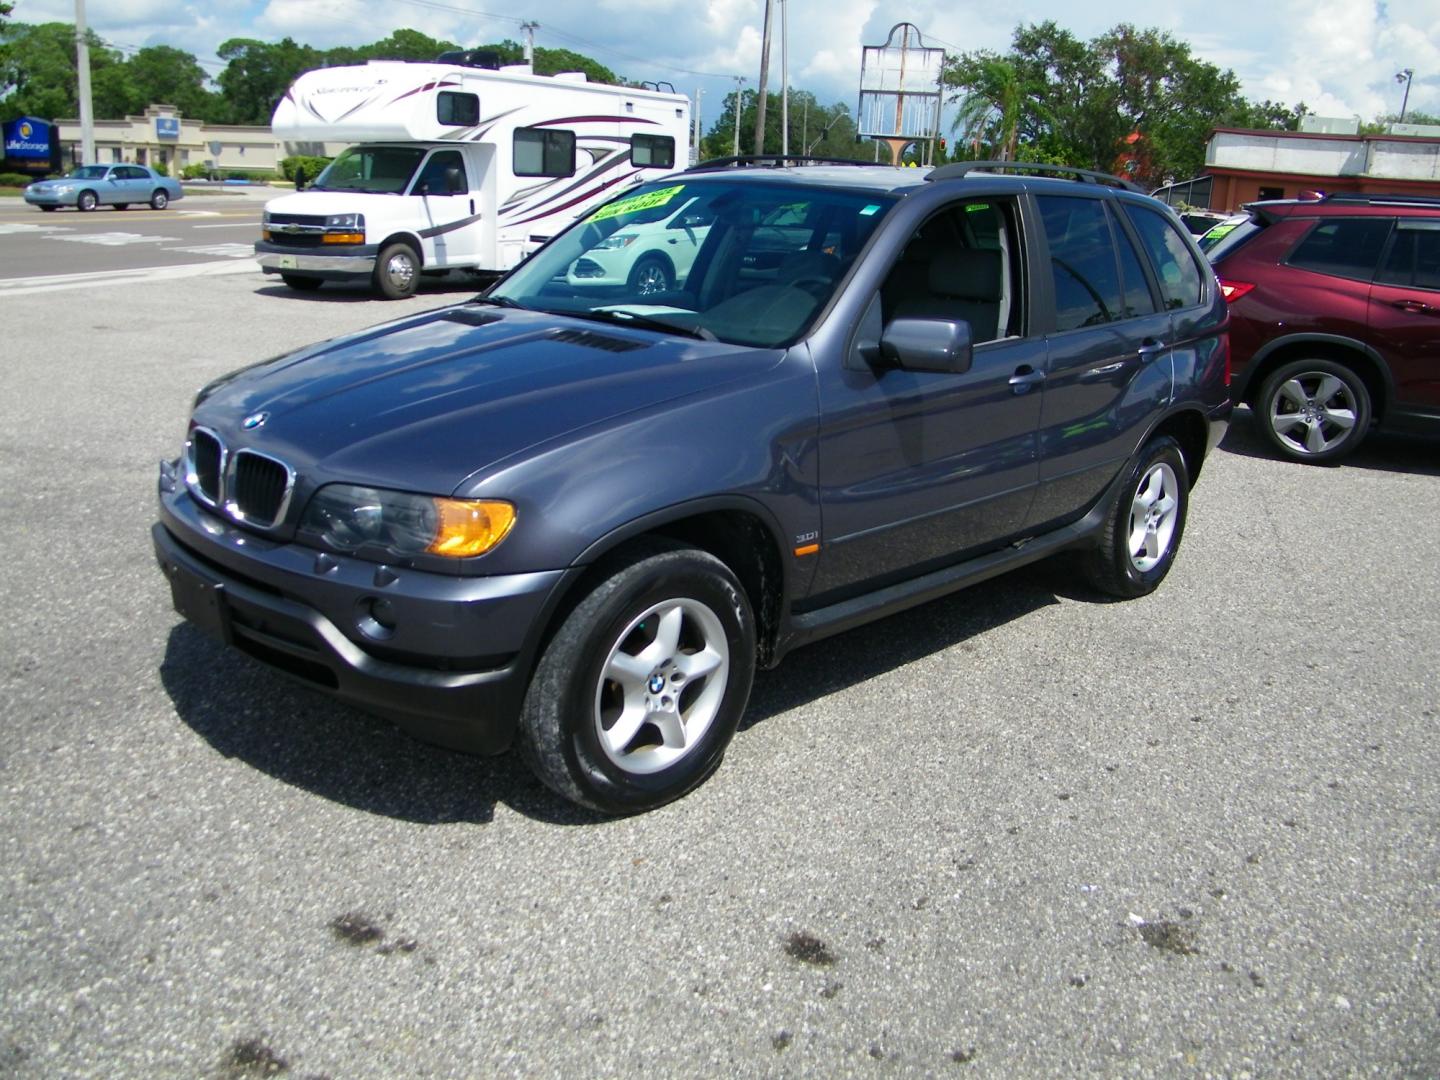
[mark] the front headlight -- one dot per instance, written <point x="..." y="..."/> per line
<point x="348" y="518"/>
<point x="62" y="189"/>
<point x="619" y="240"/>
<point x="355" y="222"/>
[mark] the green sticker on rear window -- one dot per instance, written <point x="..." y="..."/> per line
<point x="873" y="208"/>
<point x="647" y="201"/>
<point x="1218" y="232"/>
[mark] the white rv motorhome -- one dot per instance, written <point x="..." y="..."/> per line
<point x="455" y="167"/>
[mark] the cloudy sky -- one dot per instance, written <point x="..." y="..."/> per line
<point x="1340" y="57"/>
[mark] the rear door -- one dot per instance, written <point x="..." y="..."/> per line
<point x="1404" y="313"/>
<point x="1109" y="352"/>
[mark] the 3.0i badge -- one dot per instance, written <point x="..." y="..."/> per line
<point x="254" y="420"/>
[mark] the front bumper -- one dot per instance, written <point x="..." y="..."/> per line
<point x="453" y="670"/>
<point x="346" y="264"/>
<point x="48" y="198"/>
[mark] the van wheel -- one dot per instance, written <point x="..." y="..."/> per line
<point x="159" y="200"/>
<point x="1144" y="525"/>
<point x="641" y="689"/>
<point x="397" y="271"/>
<point x="302" y="284"/>
<point x="1315" y="411"/>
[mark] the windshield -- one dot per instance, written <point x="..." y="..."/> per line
<point x="750" y="263"/>
<point x="88" y="172"/>
<point x="382" y="169"/>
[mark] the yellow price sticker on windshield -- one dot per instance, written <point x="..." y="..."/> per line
<point x="634" y="203"/>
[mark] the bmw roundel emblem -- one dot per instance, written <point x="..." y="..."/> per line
<point x="254" y="420"/>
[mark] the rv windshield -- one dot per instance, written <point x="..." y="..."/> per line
<point x="384" y="170"/>
<point x="753" y="263"/>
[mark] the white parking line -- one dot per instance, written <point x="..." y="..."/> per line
<point x="231" y="225"/>
<point x="94" y="279"/>
<point x="228" y="251"/>
<point x="114" y="239"/>
<point x="8" y="230"/>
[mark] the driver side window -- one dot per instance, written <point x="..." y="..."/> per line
<point x="961" y="264"/>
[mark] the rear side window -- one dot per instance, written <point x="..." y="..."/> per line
<point x="1138" y="300"/>
<point x="544" y="152"/>
<point x="461" y="110"/>
<point x="1181" y="278"/>
<point x="1344" y="247"/>
<point x="1414" y="258"/>
<point x="1082" y="262"/>
<point x="652" y="151"/>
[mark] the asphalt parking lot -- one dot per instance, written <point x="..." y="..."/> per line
<point x="1018" y="832"/>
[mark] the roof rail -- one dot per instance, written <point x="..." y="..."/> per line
<point x="1380" y="198"/>
<point x="658" y="87"/>
<point x="960" y="169"/>
<point x="771" y="161"/>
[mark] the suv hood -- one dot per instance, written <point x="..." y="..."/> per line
<point x="422" y="403"/>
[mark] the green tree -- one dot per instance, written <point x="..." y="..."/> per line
<point x="39" y="77"/>
<point x="404" y="44"/>
<point x="826" y="131"/>
<point x="161" y="73"/>
<point x="554" y="61"/>
<point x="997" y="101"/>
<point x="258" y="73"/>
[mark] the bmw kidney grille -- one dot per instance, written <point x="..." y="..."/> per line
<point x="251" y="487"/>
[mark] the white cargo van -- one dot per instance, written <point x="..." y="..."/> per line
<point x="455" y="167"/>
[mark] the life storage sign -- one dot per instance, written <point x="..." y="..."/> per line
<point x="31" y="146"/>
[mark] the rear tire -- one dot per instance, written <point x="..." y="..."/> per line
<point x="641" y="689"/>
<point x="49" y="209"/>
<point x="122" y="206"/>
<point x="397" y="271"/>
<point x="86" y="201"/>
<point x="159" y="200"/>
<point x="301" y="284"/>
<point x="1315" y="411"/>
<point x="1144" y="524"/>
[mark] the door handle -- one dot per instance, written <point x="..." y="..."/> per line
<point x="1024" y="378"/>
<point x="1414" y="306"/>
<point x="1151" y="349"/>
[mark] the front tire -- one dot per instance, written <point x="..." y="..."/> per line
<point x="639" y="692"/>
<point x="1144" y="524"/>
<point x="397" y="271"/>
<point x="159" y="200"/>
<point x="86" y="201"/>
<point x="651" y="276"/>
<point x="1315" y="411"/>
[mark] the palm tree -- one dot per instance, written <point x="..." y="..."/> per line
<point x="992" y="110"/>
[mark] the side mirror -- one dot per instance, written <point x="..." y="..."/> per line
<point x="941" y="345"/>
<point x="454" y="182"/>
<point x="300" y="178"/>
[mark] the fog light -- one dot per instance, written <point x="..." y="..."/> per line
<point x="377" y="618"/>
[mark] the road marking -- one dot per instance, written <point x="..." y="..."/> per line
<point x="7" y="230"/>
<point x="95" y="279"/>
<point x="198" y="213"/>
<point x="231" y="225"/>
<point x="227" y="251"/>
<point x="115" y="239"/>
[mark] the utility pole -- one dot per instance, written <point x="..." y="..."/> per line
<point x="695" y="143"/>
<point x="82" y="66"/>
<point x="739" y="100"/>
<point x="1406" y="76"/>
<point x="764" y="81"/>
<point x="784" y="79"/>
<point x="530" y="28"/>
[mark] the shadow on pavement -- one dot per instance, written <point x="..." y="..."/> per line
<point x="1381" y="451"/>
<point x="303" y="738"/>
<point x="332" y="293"/>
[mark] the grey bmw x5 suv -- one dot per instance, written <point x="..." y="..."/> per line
<point x="577" y="519"/>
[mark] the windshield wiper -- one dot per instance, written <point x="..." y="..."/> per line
<point x="500" y="301"/>
<point x="648" y="322"/>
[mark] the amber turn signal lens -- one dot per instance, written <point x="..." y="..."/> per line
<point x="343" y="238"/>
<point x="465" y="529"/>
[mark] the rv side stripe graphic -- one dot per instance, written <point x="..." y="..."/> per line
<point x="596" y="120"/>
<point x="426" y="234"/>
<point x="437" y="85"/>
<point x="580" y="182"/>
<point x="578" y="199"/>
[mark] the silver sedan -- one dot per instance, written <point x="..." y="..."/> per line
<point x="116" y="185"/>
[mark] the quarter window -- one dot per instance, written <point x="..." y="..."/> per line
<point x="652" y="151"/>
<point x="1344" y="247"/>
<point x="458" y="110"/>
<point x="1082" y="262"/>
<point x="544" y="152"/>
<point x="1182" y="282"/>
<point x="1138" y="300"/>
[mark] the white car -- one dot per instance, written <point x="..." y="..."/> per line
<point x="648" y="257"/>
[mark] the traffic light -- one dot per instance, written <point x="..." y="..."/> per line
<point x="942" y="142"/>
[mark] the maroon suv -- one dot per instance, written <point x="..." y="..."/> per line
<point x="1335" y="318"/>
